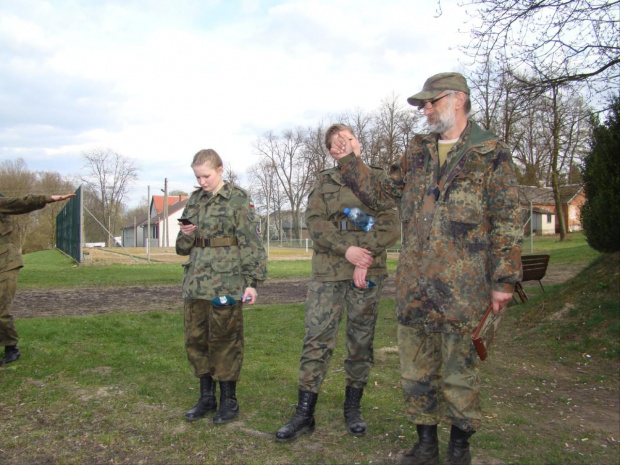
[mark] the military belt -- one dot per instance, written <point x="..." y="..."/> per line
<point x="215" y="241"/>
<point x="344" y="225"/>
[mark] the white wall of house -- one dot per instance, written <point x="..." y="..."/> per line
<point x="173" y="229"/>
<point x="574" y="220"/>
<point x="544" y="223"/>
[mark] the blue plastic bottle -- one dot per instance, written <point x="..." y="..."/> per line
<point x="359" y="218"/>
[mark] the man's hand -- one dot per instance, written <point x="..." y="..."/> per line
<point x="343" y="145"/>
<point x="59" y="198"/>
<point x="359" y="256"/>
<point x="500" y="300"/>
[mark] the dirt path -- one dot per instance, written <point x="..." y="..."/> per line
<point x="40" y="303"/>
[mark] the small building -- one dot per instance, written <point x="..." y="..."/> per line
<point x="542" y="202"/>
<point x="543" y="221"/>
<point x="162" y="224"/>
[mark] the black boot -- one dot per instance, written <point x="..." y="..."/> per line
<point x="11" y="353"/>
<point x="229" y="408"/>
<point x="458" y="447"/>
<point x="302" y="421"/>
<point x="352" y="414"/>
<point x="206" y="403"/>
<point x="426" y="450"/>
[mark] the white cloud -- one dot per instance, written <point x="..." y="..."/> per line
<point x="159" y="80"/>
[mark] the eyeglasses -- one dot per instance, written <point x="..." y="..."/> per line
<point x="429" y="104"/>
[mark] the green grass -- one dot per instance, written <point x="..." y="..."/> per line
<point x="581" y="316"/>
<point x="50" y="268"/>
<point x="574" y="249"/>
<point x="118" y="385"/>
<point x="113" y="388"/>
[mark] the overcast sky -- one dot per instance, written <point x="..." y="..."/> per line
<point x="159" y="80"/>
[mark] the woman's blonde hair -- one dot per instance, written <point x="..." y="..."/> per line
<point x="209" y="156"/>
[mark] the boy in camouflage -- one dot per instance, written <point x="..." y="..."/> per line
<point x="344" y="258"/>
<point x="457" y="192"/>
<point x="226" y="259"/>
<point x="10" y="263"/>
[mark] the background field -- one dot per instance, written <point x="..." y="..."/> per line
<point x="113" y="388"/>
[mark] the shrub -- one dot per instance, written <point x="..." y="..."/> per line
<point x="600" y="215"/>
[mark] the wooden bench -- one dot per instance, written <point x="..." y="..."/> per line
<point x="534" y="269"/>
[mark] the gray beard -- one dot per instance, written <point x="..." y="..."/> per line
<point x="445" y="121"/>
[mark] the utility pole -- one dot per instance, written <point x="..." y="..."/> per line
<point x="165" y="242"/>
<point x="148" y="227"/>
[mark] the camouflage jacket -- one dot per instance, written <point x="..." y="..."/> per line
<point x="10" y="257"/>
<point x="325" y="217"/>
<point x="222" y="270"/>
<point x="462" y="232"/>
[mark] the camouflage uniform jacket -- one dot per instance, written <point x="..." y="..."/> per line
<point x="10" y="257"/>
<point x="222" y="270"/>
<point x="462" y="232"/>
<point x="325" y="217"/>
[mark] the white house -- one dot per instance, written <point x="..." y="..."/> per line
<point x="163" y="227"/>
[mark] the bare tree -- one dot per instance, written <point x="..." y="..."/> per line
<point x="36" y="230"/>
<point x="554" y="42"/>
<point x="314" y="151"/>
<point x="108" y="178"/>
<point x="43" y="236"/>
<point x="499" y="100"/>
<point x="362" y="124"/>
<point x="17" y="181"/>
<point x="178" y="193"/>
<point x="286" y="154"/>
<point x="388" y="118"/>
<point x="409" y="124"/>
<point x="267" y="195"/>
<point x="530" y="145"/>
<point x="231" y="175"/>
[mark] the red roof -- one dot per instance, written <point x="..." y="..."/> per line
<point x="158" y="201"/>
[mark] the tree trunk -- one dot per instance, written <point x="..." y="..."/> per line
<point x="559" y="212"/>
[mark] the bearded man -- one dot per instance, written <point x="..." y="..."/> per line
<point x="457" y="194"/>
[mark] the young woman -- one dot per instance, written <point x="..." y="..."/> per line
<point x="220" y="233"/>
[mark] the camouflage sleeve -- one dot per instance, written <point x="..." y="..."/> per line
<point x="19" y="205"/>
<point x="377" y="191"/>
<point x="184" y="242"/>
<point x="506" y="232"/>
<point x="251" y="249"/>
<point x="323" y="232"/>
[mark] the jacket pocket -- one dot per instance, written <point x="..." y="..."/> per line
<point x="464" y="198"/>
<point x="320" y="263"/>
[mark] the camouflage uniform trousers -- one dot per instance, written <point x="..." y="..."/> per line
<point x="214" y="339"/>
<point x="8" y="284"/>
<point x="439" y="377"/>
<point x="324" y="305"/>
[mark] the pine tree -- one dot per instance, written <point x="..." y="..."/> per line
<point x="600" y="215"/>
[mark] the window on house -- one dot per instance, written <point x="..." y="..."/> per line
<point x="549" y="218"/>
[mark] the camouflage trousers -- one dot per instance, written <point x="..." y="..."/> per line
<point x="214" y="339"/>
<point x="439" y="377"/>
<point x="325" y="302"/>
<point x="8" y="284"/>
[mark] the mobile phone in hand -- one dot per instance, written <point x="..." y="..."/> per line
<point x="185" y="221"/>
